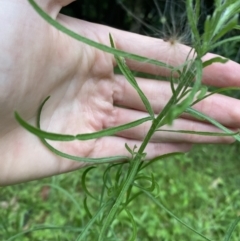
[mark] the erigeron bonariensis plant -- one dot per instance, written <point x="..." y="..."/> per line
<point x="187" y="90"/>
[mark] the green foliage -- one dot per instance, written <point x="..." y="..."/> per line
<point x="106" y="214"/>
<point x="201" y="188"/>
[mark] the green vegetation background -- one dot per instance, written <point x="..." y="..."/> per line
<point x="202" y="187"/>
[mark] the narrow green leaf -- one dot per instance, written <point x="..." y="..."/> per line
<point x="192" y="21"/>
<point x="202" y="133"/>
<point x="85" y="205"/>
<point x="92" y="43"/>
<point x="231" y="229"/>
<point x="134" y="225"/>
<point x="43" y="134"/>
<point x="214" y="60"/>
<point x="219" y="43"/>
<point x="119" y="175"/>
<point x="107" y="181"/>
<point x="131" y="79"/>
<point x="197" y="9"/>
<point x="61" y="137"/>
<point x="120" y="196"/>
<point x="130" y="199"/>
<point x="226" y="28"/>
<point x="172" y="85"/>
<point x="82" y="236"/>
<point x="71" y="157"/>
<point x="207" y="35"/>
<point x="113" y="130"/>
<point x="178" y="109"/>
<point x="220" y="90"/>
<point x="68" y="195"/>
<point x="129" y="149"/>
<point x="217" y="3"/>
<point x="160" y="205"/>
<point x="85" y="159"/>
<point x="43" y="227"/>
<point x="84" y="175"/>
<point x="159" y="158"/>
<point x="151" y="179"/>
<point x="200" y="115"/>
<point x="237" y="27"/>
<point x="202" y="93"/>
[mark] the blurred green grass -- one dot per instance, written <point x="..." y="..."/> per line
<point x="202" y="188"/>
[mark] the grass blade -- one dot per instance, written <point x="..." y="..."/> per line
<point x="231" y="229"/>
<point x="82" y="236"/>
<point x="172" y="215"/>
<point x="156" y="159"/>
<point x="67" y="194"/>
<point x="43" y="227"/>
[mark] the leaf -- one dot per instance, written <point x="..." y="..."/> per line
<point x="61" y="137"/>
<point x="159" y="158"/>
<point x="231" y="229"/>
<point x="71" y="157"/>
<point x="214" y="60"/>
<point x="202" y="133"/>
<point x="120" y="196"/>
<point x="43" y="134"/>
<point x="131" y="79"/>
<point x="85" y="205"/>
<point x="92" y="43"/>
<point x="160" y="205"/>
<point x="82" y="236"/>
<point x="219" y="43"/>
<point x="43" y="227"/>
<point x="85" y="159"/>
<point x="220" y="90"/>
<point x="202" y="93"/>
<point x="129" y="149"/>
<point x="151" y="179"/>
<point x="134" y="225"/>
<point x="207" y="35"/>
<point x="196" y="113"/>
<point x="178" y="109"/>
<point x="192" y="21"/>
<point x="67" y="194"/>
<point x="226" y="28"/>
<point x="84" y="175"/>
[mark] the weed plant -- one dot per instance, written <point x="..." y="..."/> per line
<point x="125" y="182"/>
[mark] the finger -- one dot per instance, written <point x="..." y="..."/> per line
<point x="138" y="133"/>
<point x="221" y="108"/>
<point x="220" y="75"/>
<point x="115" y="146"/>
<point x="27" y="159"/>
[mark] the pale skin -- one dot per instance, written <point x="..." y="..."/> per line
<point x="86" y="96"/>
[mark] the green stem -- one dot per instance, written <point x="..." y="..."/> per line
<point x="135" y="166"/>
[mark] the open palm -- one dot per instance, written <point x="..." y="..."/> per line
<point x="86" y="96"/>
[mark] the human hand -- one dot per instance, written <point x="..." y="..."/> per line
<point x="86" y="96"/>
